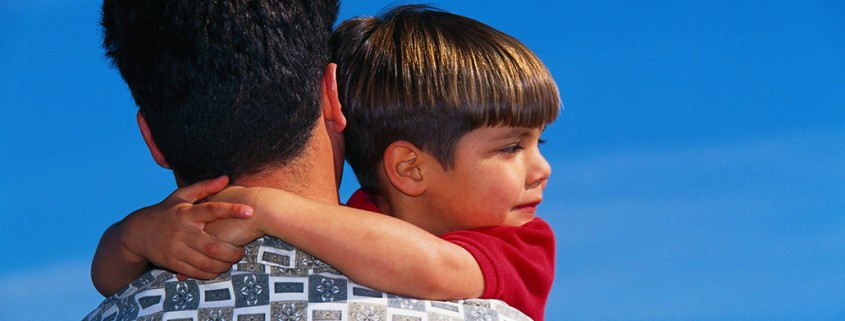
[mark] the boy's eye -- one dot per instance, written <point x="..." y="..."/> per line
<point x="511" y="149"/>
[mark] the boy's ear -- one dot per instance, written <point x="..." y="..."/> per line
<point x="151" y="144"/>
<point x="401" y="164"/>
<point x="331" y="104"/>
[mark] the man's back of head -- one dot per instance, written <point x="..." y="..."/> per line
<point x="226" y="87"/>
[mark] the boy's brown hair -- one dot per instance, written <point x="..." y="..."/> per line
<point x="426" y="76"/>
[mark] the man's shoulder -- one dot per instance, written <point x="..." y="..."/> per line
<point x="277" y="281"/>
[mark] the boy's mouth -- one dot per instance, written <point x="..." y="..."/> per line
<point x="531" y="206"/>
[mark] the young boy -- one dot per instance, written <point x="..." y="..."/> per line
<point x="445" y="116"/>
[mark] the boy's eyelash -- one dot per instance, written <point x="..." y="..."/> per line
<point x="512" y="149"/>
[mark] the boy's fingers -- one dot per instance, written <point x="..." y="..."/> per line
<point x="196" y="264"/>
<point x="212" y="211"/>
<point x="210" y="247"/>
<point x="214" y="267"/>
<point x="201" y="190"/>
<point x="187" y="270"/>
<point x="207" y="268"/>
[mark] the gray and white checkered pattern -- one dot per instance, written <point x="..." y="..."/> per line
<point x="275" y="281"/>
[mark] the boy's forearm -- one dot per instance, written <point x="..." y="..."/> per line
<point x="373" y="249"/>
<point x="114" y="266"/>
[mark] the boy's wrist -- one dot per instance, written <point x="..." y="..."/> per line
<point x="274" y="209"/>
<point x="252" y="196"/>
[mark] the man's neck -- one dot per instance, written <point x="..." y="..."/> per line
<point x="314" y="185"/>
<point x="311" y="175"/>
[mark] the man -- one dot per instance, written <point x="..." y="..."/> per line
<point x="244" y="88"/>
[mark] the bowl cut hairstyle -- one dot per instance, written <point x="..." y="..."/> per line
<point x="423" y="75"/>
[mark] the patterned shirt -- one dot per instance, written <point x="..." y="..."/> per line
<point x="275" y="281"/>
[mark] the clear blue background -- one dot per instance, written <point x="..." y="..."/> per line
<point x="699" y="164"/>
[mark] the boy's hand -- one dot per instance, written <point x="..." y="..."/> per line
<point x="171" y="234"/>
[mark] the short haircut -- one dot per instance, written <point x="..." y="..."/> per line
<point x="426" y="76"/>
<point x="226" y="87"/>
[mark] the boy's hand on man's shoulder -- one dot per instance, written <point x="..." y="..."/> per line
<point x="172" y="235"/>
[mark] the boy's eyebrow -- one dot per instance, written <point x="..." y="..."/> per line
<point x="515" y="132"/>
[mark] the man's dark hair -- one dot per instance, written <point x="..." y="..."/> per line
<point x="426" y="76"/>
<point x="226" y="87"/>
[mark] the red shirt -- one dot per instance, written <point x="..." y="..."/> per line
<point x="517" y="261"/>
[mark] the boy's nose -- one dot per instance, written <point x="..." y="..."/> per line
<point x="539" y="170"/>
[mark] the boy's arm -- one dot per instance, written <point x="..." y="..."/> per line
<point x="169" y="234"/>
<point x="376" y="250"/>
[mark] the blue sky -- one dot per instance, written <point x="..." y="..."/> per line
<point x="698" y="166"/>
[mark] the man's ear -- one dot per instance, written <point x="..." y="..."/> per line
<point x="151" y="144"/>
<point x="402" y="166"/>
<point x="331" y="104"/>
